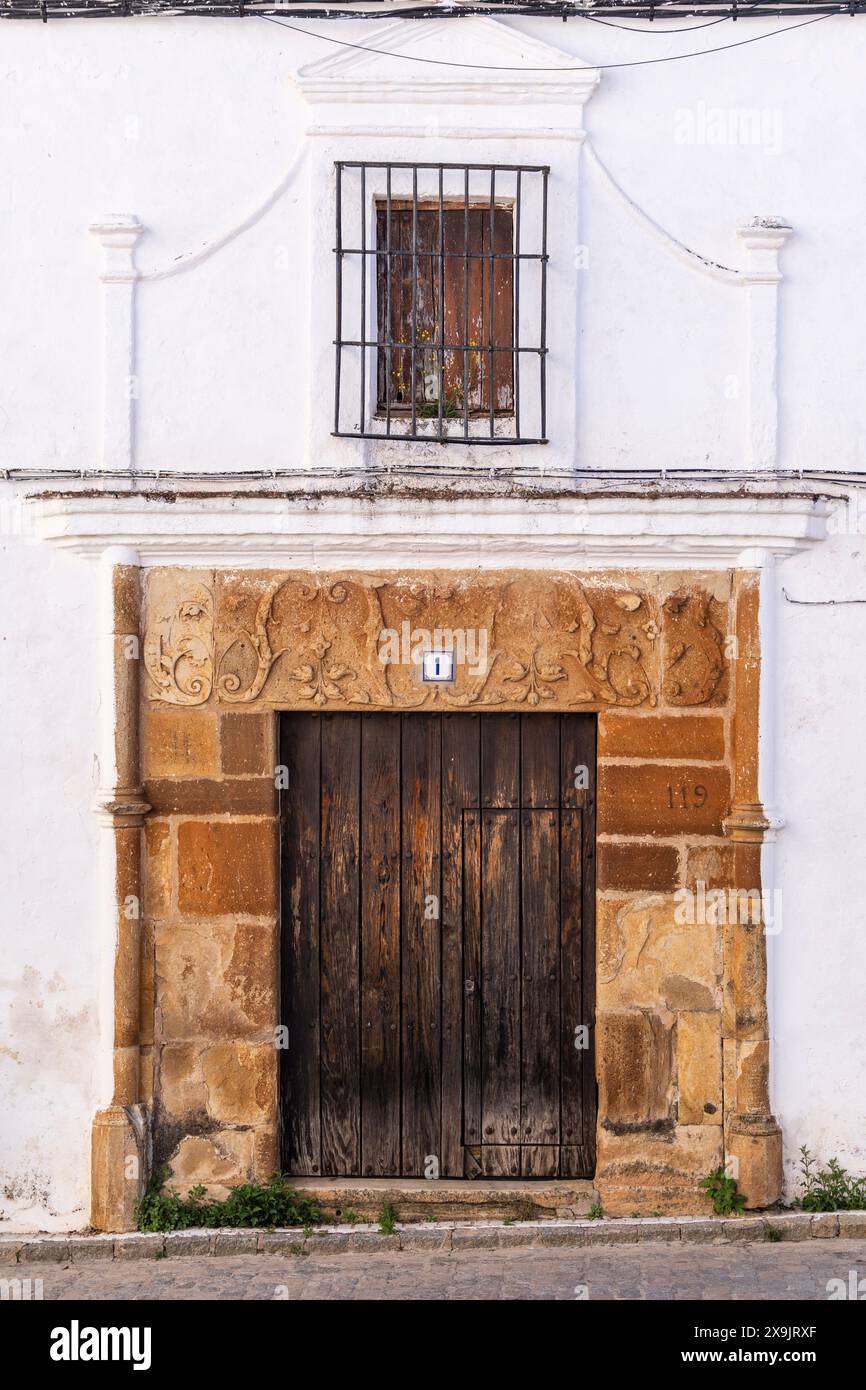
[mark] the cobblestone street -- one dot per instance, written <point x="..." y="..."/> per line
<point x="766" y="1271"/>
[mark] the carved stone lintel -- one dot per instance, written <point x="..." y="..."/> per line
<point x="563" y="640"/>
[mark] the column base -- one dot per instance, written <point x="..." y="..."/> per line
<point x="755" y="1143"/>
<point x="118" y="1166"/>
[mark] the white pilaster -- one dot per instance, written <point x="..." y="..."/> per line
<point x="117" y="234"/>
<point x="762" y="238"/>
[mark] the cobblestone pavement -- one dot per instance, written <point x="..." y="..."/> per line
<point x="765" y="1271"/>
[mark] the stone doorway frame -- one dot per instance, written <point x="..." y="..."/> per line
<point x="645" y="650"/>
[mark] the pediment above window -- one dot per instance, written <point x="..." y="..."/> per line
<point x="512" y="68"/>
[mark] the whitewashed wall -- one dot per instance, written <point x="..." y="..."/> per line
<point x="49" y="1000"/>
<point x="191" y="125"/>
<point x="818" y="960"/>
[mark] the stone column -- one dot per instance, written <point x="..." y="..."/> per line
<point x="753" y="1138"/>
<point x="119" y="1143"/>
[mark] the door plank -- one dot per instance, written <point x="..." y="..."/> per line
<point x="539" y="760"/>
<point x="572" y="1056"/>
<point x="339" y="946"/>
<point x="580" y="734"/>
<point x="500" y="977"/>
<point x="299" y="976"/>
<point x="500" y="1161"/>
<point x="540" y="986"/>
<point x="577" y="1162"/>
<point x="472" y="978"/>
<point x="460" y="778"/>
<point x="421" y="964"/>
<point x="539" y="1161"/>
<point x="500" y="760"/>
<point x="380" y="944"/>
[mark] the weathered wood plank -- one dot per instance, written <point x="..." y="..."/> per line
<point x="380" y="944"/>
<point x="539" y="760"/>
<point x="577" y="1162"/>
<point x="579" y="733"/>
<point x="460" y="775"/>
<point x="500" y="760"/>
<point x="472" y="977"/>
<point x="299" y="974"/>
<point x="500" y="1161"/>
<point x="539" y="1161"/>
<point x="500" y="977"/>
<point x="341" y="1154"/>
<point x="421" y="964"/>
<point x="540" y="984"/>
<point x="575" y="1026"/>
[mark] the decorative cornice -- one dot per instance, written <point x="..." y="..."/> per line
<point x="251" y="532"/>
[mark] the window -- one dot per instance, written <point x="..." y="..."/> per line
<point x="448" y="264"/>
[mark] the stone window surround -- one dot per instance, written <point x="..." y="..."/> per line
<point x="653" y="1142"/>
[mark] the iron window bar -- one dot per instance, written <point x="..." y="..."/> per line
<point x="488" y="406"/>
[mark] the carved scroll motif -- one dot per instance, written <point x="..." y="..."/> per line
<point x="694" y="649"/>
<point x="179" y="641"/>
<point x="520" y="639"/>
<point x="326" y="632"/>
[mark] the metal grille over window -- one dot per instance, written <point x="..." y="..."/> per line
<point x="441" y="286"/>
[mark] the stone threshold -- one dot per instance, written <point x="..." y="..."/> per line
<point x="443" y="1237"/>
<point x="451" y="1199"/>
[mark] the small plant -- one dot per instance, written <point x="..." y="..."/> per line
<point x="350" y="1217"/>
<point x="722" y="1192"/>
<point x="831" y="1188"/>
<point x="388" y="1220"/>
<point x="596" y="1211"/>
<point x="772" y="1233"/>
<point x="523" y="1211"/>
<point x="274" y="1203"/>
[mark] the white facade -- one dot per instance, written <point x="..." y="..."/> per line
<point x="219" y="137"/>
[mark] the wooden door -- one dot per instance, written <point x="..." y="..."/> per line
<point x="437" y="973"/>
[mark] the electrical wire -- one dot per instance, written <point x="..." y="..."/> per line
<point x="663" y="28"/>
<point x="820" y="602"/>
<point x="501" y="67"/>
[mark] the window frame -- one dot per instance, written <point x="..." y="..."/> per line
<point x="438" y="428"/>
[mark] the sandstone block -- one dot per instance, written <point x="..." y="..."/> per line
<point x="246" y="744"/>
<point x="647" y="958"/>
<point x="634" y="867"/>
<point x="699" y="1068"/>
<point x="635" y="1069"/>
<point x="658" y="799"/>
<point x="216" y="979"/>
<point x="661" y="736"/>
<point x="179" y="743"/>
<point x="241" y="1083"/>
<point x="227" y="867"/>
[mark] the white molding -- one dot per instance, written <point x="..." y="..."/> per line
<point x="540" y="73"/>
<point x="763" y="239"/>
<point x="250" y="532"/>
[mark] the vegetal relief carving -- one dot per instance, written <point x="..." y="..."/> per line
<point x="179" y="639"/>
<point x="551" y="641"/>
<point x="596" y="645"/>
<point x="324" y="630"/>
<point x="694" y="649"/>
